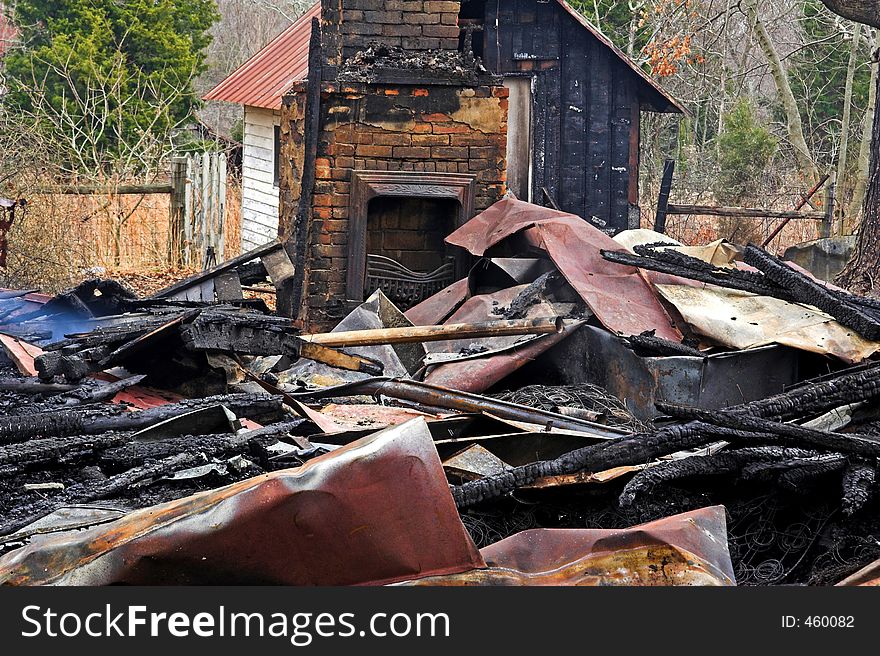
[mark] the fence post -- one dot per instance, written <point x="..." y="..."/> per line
<point x="176" y="212"/>
<point x="663" y="199"/>
<point x="204" y="208"/>
<point x="221" y="205"/>
<point x="189" y="200"/>
<point x="825" y="230"/>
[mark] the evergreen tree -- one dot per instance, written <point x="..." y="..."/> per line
<point x="125" y="66"/>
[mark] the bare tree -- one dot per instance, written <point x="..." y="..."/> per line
<point x="863" y="269"/>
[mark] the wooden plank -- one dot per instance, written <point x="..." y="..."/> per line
<point x="221" y="200"/>
<point x="634" y="151"/>
<point x="753" y="212"/>
<point x="227" y="285"/>
<point x="663" y="199"/>
<point x="265" y="130"/>
<point x="575" y="76"/>
<point x="598" y="164"/>
<point x="176" y="211"/>
<point x="554" y="131"/>
<point x="260" y="186"/>
<point x="622" y="94"/>
<point x="262" y="177"/>
<point x="100" y="190"/>
<point x="21" y="353"/>
<point x="188" y="212"/>
<point x="290" y="305"/>
<point x="257" y="205"/>
<point x="224" y="266"/>
<point x="539" y="138"/>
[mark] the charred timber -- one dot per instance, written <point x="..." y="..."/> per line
<point x="712" y="465"/>
<point x="662" y="347"/>
<point x="858" y="481"/>
<point x="54" y="451"/>
<point x="23" y="515"/>
<point x="259" y="407"/>
<point x="810" y="400"/>
<point x="808" y="291"/>
<point x="865" y="445"/>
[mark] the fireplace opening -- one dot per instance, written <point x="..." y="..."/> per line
<point x="406" y="256"/>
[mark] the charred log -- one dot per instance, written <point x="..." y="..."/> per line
<point x="866" y="445"/>
<point x="712" y="465"/>
<point x="810" y="292"/>
<point x="92" y="491"/>
<point x="858" y="479"/>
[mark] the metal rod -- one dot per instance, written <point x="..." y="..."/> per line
<point x="443" y="397"/>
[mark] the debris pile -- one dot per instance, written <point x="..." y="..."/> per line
<point x="575" y="411"/>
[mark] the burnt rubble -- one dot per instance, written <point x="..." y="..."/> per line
<point x="380" y="63"/>
<point x="548" y="389"/>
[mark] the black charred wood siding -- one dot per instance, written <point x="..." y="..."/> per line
<point x="585" y="100"/>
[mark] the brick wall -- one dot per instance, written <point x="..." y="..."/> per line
<point x="415" y="25"/>
<point x="411" y="230"/>
<point x="384" y="128"/>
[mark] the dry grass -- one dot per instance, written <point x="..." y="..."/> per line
<point x="63" y="239"/>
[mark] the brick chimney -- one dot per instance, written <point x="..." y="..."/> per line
<point x="351" y="26"/>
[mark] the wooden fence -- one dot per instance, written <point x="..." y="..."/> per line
<point x="198" y="209"/>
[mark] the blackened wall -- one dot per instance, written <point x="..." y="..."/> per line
<point x="585" y="115"/>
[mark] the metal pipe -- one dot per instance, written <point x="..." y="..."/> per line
<point x="443" y="397"/>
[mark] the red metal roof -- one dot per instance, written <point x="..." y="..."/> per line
<point x="265" y="77"/>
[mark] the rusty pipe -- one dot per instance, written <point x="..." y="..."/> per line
<point x="443" y="397"/>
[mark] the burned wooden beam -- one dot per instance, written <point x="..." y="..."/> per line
<point x="716" y="464"/>
<point x="417" y="334"/>
<point x="290" y="299"/>
<point x="249" y="334"/>
<point x="866" y="445"/>
<point x="809" y="400"/>
<point x="858" y="481"/>
<point x="54" y="450"/>
<point x="18" y="428"/>
<point x="92" y="491"/>
<point x="658" y="346"/>
<point x="807" y="290"/>
<point x="746" y="212"/>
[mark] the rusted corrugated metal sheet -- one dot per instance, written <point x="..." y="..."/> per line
<point x="867" y="576"/>
<point x="376" y="511"/>
<point x="264" y="78"/>
<point x="619" y="297"/>
<point x="685" y="549"/>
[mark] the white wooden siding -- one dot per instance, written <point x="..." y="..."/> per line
<point x="259" y="195"/>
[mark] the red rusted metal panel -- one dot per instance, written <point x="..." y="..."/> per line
<point x="619" y="296"/>
<point x="264" y="78"/>
<point x="869" y="575"/>
<point x="685" y="549"/>
<point x="376" y="511"/>
<point x="479" y="374"/>
<point x="437" y="308"/>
